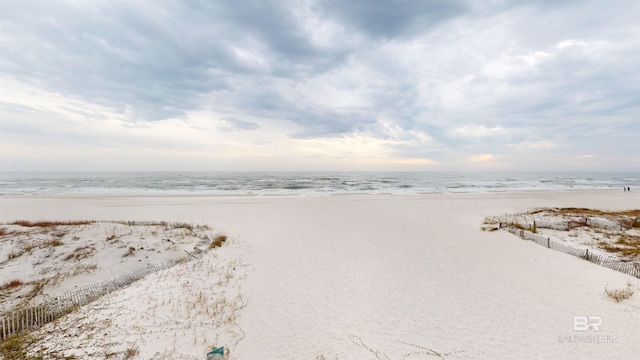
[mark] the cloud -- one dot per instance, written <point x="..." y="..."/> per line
<point x="390" y="19"/>
<point x="238" y="125"/>
<point x="480" y="158"/>
<point x="436" y="80"/>
<point x="153" y="59"/>
<point x="479" y="131"/>
<point x="533" y="145"/>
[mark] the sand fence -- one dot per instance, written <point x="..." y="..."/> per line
<point x="33" y="317"/>
<point x="628" y="268"/>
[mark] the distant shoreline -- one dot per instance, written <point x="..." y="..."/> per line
<point x="306" y="183"/>
<point x="304" y="195"/>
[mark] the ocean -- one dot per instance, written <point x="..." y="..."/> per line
<point x="305" y="183"/>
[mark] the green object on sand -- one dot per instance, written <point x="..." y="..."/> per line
<point x="216" y="354"/>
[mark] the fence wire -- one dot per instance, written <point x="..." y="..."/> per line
<point x="609" y="262"/>
<point x="33" y="317"/>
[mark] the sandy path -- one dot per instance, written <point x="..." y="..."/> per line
<point x="391" y="276"/>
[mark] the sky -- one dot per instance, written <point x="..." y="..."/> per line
<point x="357" y="85"/>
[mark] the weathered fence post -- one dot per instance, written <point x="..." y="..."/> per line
<point x="548" y="240"/>
<point x="587" y="255"/>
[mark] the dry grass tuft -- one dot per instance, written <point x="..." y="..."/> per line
<point x="27" y="248"/>
<point x="26" y="223"/>
<point x="14" y="347"/>
<point x="490" y="224"/>
<point x="130" y="252"/>
<point x="131" y="353"/>
<point x="11" y="284"/>
<point x="489" y="228"/>
<point x="517" y="225"/>
<point x="628" y="245"/>
<point x="14" y="254"/>
<point x="80" y="253"/>
<point x="182" y="226"/>
<point x="584" y="211"/>
<point x="82" y="268"/>
<point x="217" y="241"/>
<point x="619" y="294"/>
<point x="54" y="242"/>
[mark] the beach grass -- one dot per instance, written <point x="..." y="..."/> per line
<point x="586" y="211"/>
<point x="217" y="241"/>
<point x="625" y="244"/>
<point x="130" y="251"/>
<point x="81" y="247"/>
<point x="130" y="353"/>
<point x="15" y="347"/>
<point x="619" y="295"/>
<point x="11" y="284"/>
<point x="46" y="224"/>
<point x="615" y="232"/>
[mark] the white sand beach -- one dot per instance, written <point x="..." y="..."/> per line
<point x="350" y="277"/>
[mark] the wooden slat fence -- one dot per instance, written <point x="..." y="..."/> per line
<point x="609" y="262"/>
<point x="33" y="317"/>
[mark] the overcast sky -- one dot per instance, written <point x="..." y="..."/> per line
<point x="320" y="85"/>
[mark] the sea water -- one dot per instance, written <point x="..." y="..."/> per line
<point x="305" y="183"/>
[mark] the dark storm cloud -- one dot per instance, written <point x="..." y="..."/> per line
<point x="390" y="19"/>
